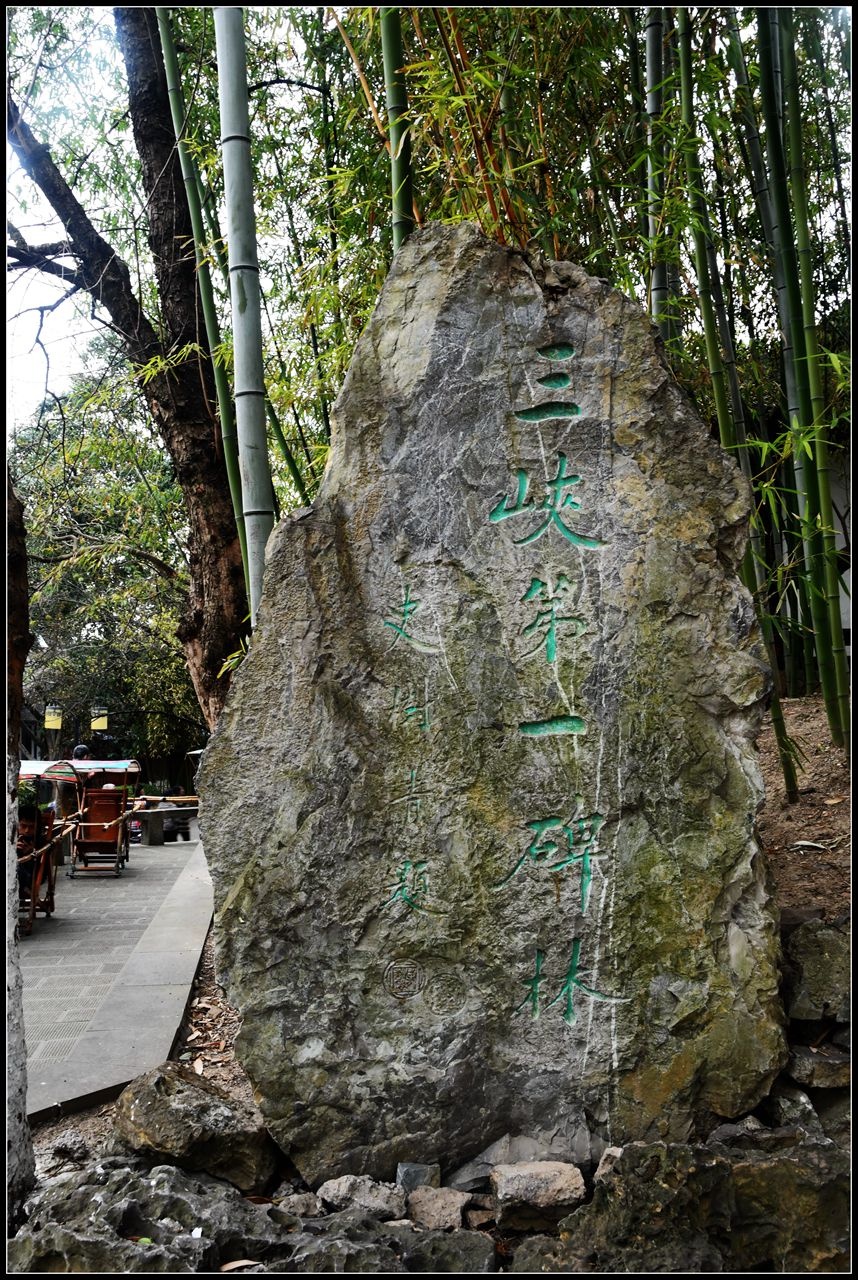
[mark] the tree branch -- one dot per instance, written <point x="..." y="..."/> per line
<point x="295" y="84"/>
<point x="35" y="260"/>
<point x="101" y="271"/>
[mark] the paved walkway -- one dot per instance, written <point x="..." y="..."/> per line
<point x="107" y="977"/>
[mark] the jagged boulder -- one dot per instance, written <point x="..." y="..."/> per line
<point x="818" y="978"/>
<point x="498" y="871"/>
<point x="384" y="1200"/>
<point x="680" y="1208"/>
<point x="124" y="1215"/>
<point x="172" y="1114"/>
<point x="121" y="1215"/>
<point x="536" y="1193"/>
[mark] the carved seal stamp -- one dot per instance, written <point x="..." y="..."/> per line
<point x="445" y="993"/>
<point x="404" y="979"/>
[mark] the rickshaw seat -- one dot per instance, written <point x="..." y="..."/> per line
<point x="100" y="841"/>
<point x="36" y="870"/>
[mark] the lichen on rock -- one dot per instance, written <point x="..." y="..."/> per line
<point x="479" y="811"/>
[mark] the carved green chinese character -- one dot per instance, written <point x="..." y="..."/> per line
<point x="412" y="885"/>
<point x="556" y="500"/>
<point x="571" y="980"/>
<point x="401" y="625"/>
<point x="549" y="619"/>
<point x="556" y="845"/>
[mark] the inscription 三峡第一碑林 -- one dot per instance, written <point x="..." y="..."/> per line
<point x="556" y="845"/>
<point x="410" y="708"/>
<point x="401" y="623"/>
<point x="556" y="351"/>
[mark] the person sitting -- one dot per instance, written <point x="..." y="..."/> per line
<point x="175" y="824"/>
<point x="96" y="778"/>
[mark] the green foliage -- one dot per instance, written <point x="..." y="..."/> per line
<point x="234" y="660"/>
<point x="108" y="573"/>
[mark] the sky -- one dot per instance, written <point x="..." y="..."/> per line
<point x="32" y="369"/>
<point x="35" y="367"/>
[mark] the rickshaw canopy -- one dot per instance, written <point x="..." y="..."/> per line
<point x="74" y="770"/>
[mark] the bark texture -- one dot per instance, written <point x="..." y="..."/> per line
<point x="20" y="1165"/>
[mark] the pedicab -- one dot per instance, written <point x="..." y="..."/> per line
<point x="105" y="804"/>
<point x="39" y="835"/>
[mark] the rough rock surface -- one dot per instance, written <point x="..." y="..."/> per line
<point x="437" y="1208"/>
<point x="382" y="1199"/>
<point x="537" y="1193"/>
<point x="510" y="1149"/>
<point x="673" y="1207"/>
<point x="410" y="1175"/>
<point x="172" y="1114"/>
<point x="818" y="971"/>
<point x="773" y="1200"/>
<point x="824" y="1068"/>
<point x="123" y="1216"/>
<point x="497" y="868"/>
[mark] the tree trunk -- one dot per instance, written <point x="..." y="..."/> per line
<point x="20" y="1164"/>
<point x="213" y="621"/>
<point x="181" y="400"/>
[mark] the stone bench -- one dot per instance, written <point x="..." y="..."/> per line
<point x="152" y="821"/>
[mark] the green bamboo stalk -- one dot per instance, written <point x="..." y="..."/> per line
<point x="775" y="220"/>
<point x="204" y="282"/>
<point x="329" y="149"/>
<point x="698" y="227"/>
<point x="284" y="378"/>
<point x="400" y="136"/>
<point x="751" y="566"/>
<point x="671" y="240"/>
<point x="658" y="290"/>
<point x="314" y="339"/>
<point x="639" y="103"/>
<point x="719" y="144"/>
<point x="596" y="176"/>
<point x="843" y="219"/>
<point x="288" y="456"/>
<point x="794" y="555"/>
<point x="256" y="487"/>
<point x="768" y="40"/>
<point x="216" y="240"/>
<point x="823" y="466"/>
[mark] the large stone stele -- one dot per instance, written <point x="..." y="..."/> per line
<point x="480" y="808"/>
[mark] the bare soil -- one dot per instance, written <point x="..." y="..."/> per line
<point x="808" y="846"/>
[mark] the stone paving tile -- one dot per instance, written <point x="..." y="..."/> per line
<point x="96" y="1002"/>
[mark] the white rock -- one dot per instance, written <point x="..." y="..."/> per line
<point x="382" y="1199"/>
<point x="536" y="1191"/>
<point x="304" y="1204"/>
<point x="437" y="1208"/>
<point x="610" y="1156"/>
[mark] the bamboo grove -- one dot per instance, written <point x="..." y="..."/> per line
<point x="694" y="157"/>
